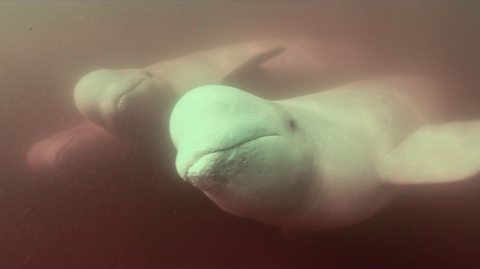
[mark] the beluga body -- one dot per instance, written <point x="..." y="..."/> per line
<point x="130" y="102"/>
<point x="133" y="105"/>
<point x="324" y="160"/>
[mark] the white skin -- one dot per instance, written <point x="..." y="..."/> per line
<point x="134" y="104"/>
<point x="110" y="97"/>
<point x="319" y="161"/>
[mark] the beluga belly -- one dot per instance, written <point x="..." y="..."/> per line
<point x="319" y="161"/>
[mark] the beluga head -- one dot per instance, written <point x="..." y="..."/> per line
<point x="248" y="155"/>
<point x="123" y="101"/>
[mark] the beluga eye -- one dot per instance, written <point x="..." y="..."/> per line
<point x="292" y="124"/>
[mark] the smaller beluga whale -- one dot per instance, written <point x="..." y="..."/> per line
<point x="324" y="160"/>
<point x="129" y="102"/>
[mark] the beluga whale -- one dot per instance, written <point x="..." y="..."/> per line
<point x="84" y="145"/>
<point x="132" y="106"/>
<point x="127" y="101"/>
<point x="324" y="160"/>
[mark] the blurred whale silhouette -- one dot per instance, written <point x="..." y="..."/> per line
<point x="134" y="104"/>
<point x="323" y="160"/>
<point x="84" y="145"/>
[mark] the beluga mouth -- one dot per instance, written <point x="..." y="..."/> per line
<point x="209" y="167"/>
<point x="123" y="97"/>
<point x="60" y="157"/>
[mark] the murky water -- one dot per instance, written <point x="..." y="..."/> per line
<point x="138" y="216"/>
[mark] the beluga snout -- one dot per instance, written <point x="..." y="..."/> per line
<point x="122" y="101"/>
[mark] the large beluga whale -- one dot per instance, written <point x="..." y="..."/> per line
<point x="134" y="104"/>
<point x="323" y="160"/>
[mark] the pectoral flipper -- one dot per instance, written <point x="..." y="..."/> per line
<point x="439" y="153"/>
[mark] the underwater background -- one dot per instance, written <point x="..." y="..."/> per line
<point x="140" y="214"/>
